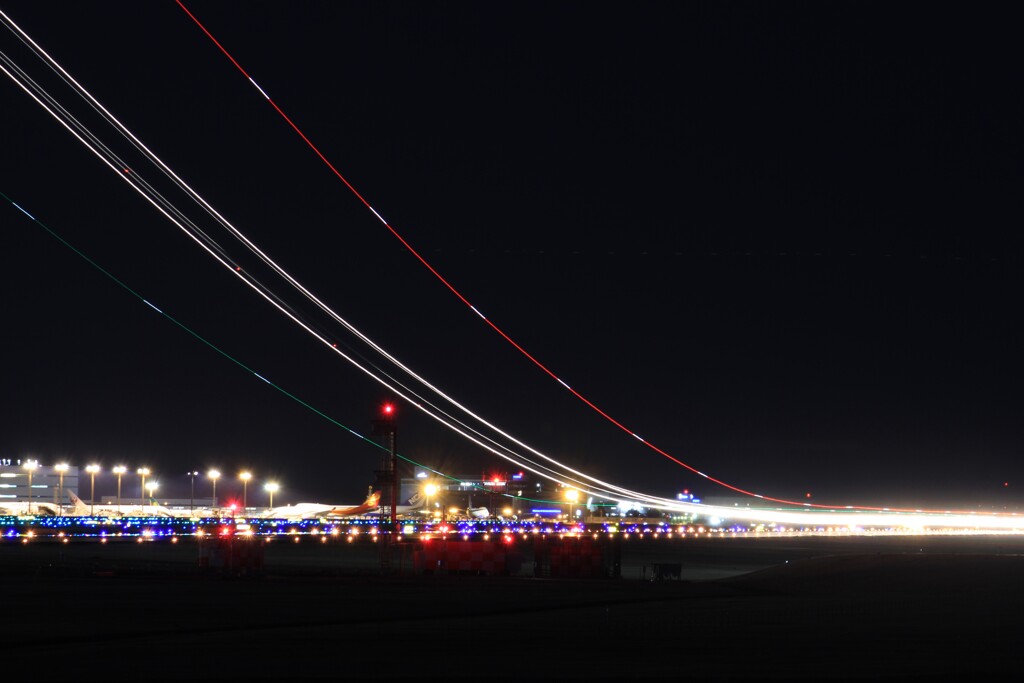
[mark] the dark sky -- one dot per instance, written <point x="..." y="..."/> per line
<point x="780" y="241"/>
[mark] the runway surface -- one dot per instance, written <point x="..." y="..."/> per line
<point x="922" y="608"/>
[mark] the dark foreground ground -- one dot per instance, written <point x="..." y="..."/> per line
<point x="909" y="608"/>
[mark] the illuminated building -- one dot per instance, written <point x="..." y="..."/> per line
<point x="14" y="479"/>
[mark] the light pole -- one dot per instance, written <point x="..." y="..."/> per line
<point x="92" y="470"/>
<point x="245" y="477"/>
<point x="213" y="475"/>
<point x="571" y="495"/>
<point x="192" y="492"/>
<point x="152" y="486"/>
<point x="30" y="466"/>
<point x="119" y="470"/>
<point x="143" y="471"/>
<point x="61" y="469"/>
<point x="430" y="490"/>
<point x="270" y="487"/>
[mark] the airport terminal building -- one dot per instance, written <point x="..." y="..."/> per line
<point x="25" y="480"/>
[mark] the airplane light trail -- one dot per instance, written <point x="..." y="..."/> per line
<point x="489" y="322"/>
<point x="836" y="517"/>
<point x="279" y="303"/>
<point x="539" y="470"/>
<point x="266" y="293"/>
<point x="196" y="233"/>
<point x="220" y="351"/>
<point x="210" y="246"/>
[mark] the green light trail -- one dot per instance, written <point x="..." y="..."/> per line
<point x="245" y="367"/>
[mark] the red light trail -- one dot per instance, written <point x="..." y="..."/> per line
<point x="491" y="324"/>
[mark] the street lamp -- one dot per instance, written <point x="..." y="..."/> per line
<point x="152" y="486"/>
<point x="92" y="470"/>
<point x="571" y="495"/>
<point x="119" y="470"/>
<point x="143" y="471"/>
<point x="245" y="477"/>
<point x="30" y="466"/>
<point x="61" y="469"/>
<point x="270" y="487"/>
<point x="213" y="475"/>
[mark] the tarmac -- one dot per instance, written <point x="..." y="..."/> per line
<point x="901" y="608"/>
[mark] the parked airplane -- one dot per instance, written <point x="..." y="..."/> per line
<point x="317" y="510"/>
<point x="83" y="509"/>
<point x="21" y="509"/>
<point x="415" y="503"/>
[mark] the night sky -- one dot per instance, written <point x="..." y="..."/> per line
<point x="780" y="241"/>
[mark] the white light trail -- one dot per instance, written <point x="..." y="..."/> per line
<point x="596" y="484"/>
<point x="143" y="191"/>
<point x="842" y="517"/>
<point x="24" y="211"/>
<point x="595" y="487"/>
<point x="259" y="88"/>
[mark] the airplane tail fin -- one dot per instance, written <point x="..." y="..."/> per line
<point x="371" y="503"/>
<point x="81" y="509"/>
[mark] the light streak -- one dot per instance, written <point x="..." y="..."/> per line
<point x="205" y="341"/>
<point x="167" y="209"/>
<point x="209" y="245"/>
<point x="24" y="211"/>
<point x="466" y="301"/>
<point x="259" y="88"/>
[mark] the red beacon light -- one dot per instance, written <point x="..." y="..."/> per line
<point x="388" y="410"/>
